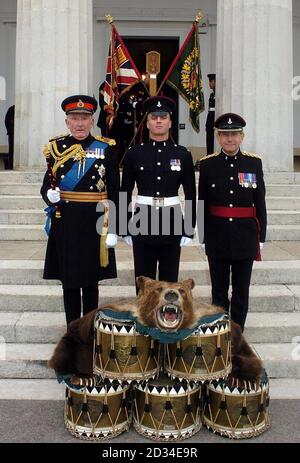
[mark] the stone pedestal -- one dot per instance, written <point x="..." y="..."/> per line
<point x="54" y="59"/>
<point x="254" y="75"/>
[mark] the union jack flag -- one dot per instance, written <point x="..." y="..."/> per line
<point x="121" y="72"/>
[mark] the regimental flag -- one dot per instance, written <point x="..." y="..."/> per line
<point x="121" y="72"/>
<point x="185" y="75"/>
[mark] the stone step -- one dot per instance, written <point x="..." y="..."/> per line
<point x="37" y="175"/>
<point x="286" y="178"/>
<point x="291" y="203"/>
<point x="23" y="217"/>
<point x="280" y="233"/>
<point x="22" y="233"/>
<point x="49" y="389"/>
<point x="29" y="272"/>
<point x="17" y="176"/>
<point x="48" y="327"/>
<point x="30" y="360"/>
<point x="41" y="298"/>
<point x="280" y="360"/>
<point x="32" y="232"/>
<point x="283" y="190"/>
<point x="22" y="202"/>
<point x="14" y="189"/>
<point x="279" y="217"/>
<point x="31" y="188"/>
<point x="38" y="217"/>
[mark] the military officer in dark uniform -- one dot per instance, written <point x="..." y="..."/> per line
<point x="210" y="120"/>
<point x="82" y="173"/>
<point x="159" y="168"/>
<point x="232" y="187"/>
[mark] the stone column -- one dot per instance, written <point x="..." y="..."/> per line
<point x="254" y="75"/>
<point x="54" y="59"/>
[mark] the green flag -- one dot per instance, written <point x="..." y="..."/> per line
<point x="185" y="75"/>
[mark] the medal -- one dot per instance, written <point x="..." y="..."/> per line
<point x="175" y="165"/>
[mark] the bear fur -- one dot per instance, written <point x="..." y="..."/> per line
<point x="167" y="306"/>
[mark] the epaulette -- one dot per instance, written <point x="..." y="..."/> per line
<point x="251" y="155"/>
<point x="46" y="151"/>
<point x="181" y="147"/>
<point x="59" y="137"/>
<point x="109" y="141"/>
<point x="214" y="155"/>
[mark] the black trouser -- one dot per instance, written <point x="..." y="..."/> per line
<point x="210" y="141"/>
<point x="240" y="281"/>
<point x="72" y="301"/>
<point x="147" y="256"/>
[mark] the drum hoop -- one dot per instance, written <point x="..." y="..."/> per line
<point x="128" y="377"/>
<point x="197" y="377"/>
<point x="76" y="432"/>
<point x="213" y="329"/>
<point x="245" y="433"/>
<point x="168" y="390"/>
<point x="160" y="436"/>
<point x="110" y="327"/>
<point x="257" y="389"/>
<point x="104" y="390"/>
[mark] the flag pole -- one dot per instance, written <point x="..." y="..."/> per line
<point x="198" y="18"/>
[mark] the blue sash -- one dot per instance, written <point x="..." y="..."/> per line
<point x="74" y="175"/>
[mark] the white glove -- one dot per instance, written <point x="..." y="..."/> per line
<point x="185" y="241"/>
<point x="202" y="246"/>
<point x="111" y="240"/>
<point x="128" y="240"/>
<point x="261" y="245"/>
<point x="53" y="195"/>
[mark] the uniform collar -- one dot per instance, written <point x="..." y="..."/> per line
<point x="231" y="158"/>
<point x="84" y="142"/>
<point x="160" y="143"/>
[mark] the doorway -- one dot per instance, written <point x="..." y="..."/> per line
<point x="168" y="48"/>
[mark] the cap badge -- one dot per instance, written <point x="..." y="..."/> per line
<point x="80" y="104"/>
<point x="229" y="121"/>
<point x="159" y="105"/>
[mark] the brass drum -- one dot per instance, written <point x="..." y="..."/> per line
<point x="203" y="356"/>
<point x="167" y="410"/>
<point x="237" y="412"/>
<point x="97" y="411"/>
<point x="123" y="354"/>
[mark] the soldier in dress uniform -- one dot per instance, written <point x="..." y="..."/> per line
<point x="82" y="172"/>
<point x="210" y="120"/>
<point x="232" y="187"/>
<point x="159" y="168"/>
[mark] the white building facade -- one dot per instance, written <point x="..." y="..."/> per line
<point x="50" y="49"/>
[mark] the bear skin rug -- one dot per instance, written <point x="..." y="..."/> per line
<point x="159" y="304"/>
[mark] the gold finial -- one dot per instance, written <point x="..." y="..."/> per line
<point x="109" y="18"/>
<point x="199" y="16"/>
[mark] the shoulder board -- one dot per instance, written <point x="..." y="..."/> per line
<point x="251" y="155"/>
<point x="109" y="141"/>
<point x="214" y="155"/>
<point x="183" y="148"/>
<point x="59" y="137"/>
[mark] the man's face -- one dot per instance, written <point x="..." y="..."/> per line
<point x="159" y="126"/>
<point x="80" y="125"/>
<point x="212" y="84"/>
<point x="230" y="141"/>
